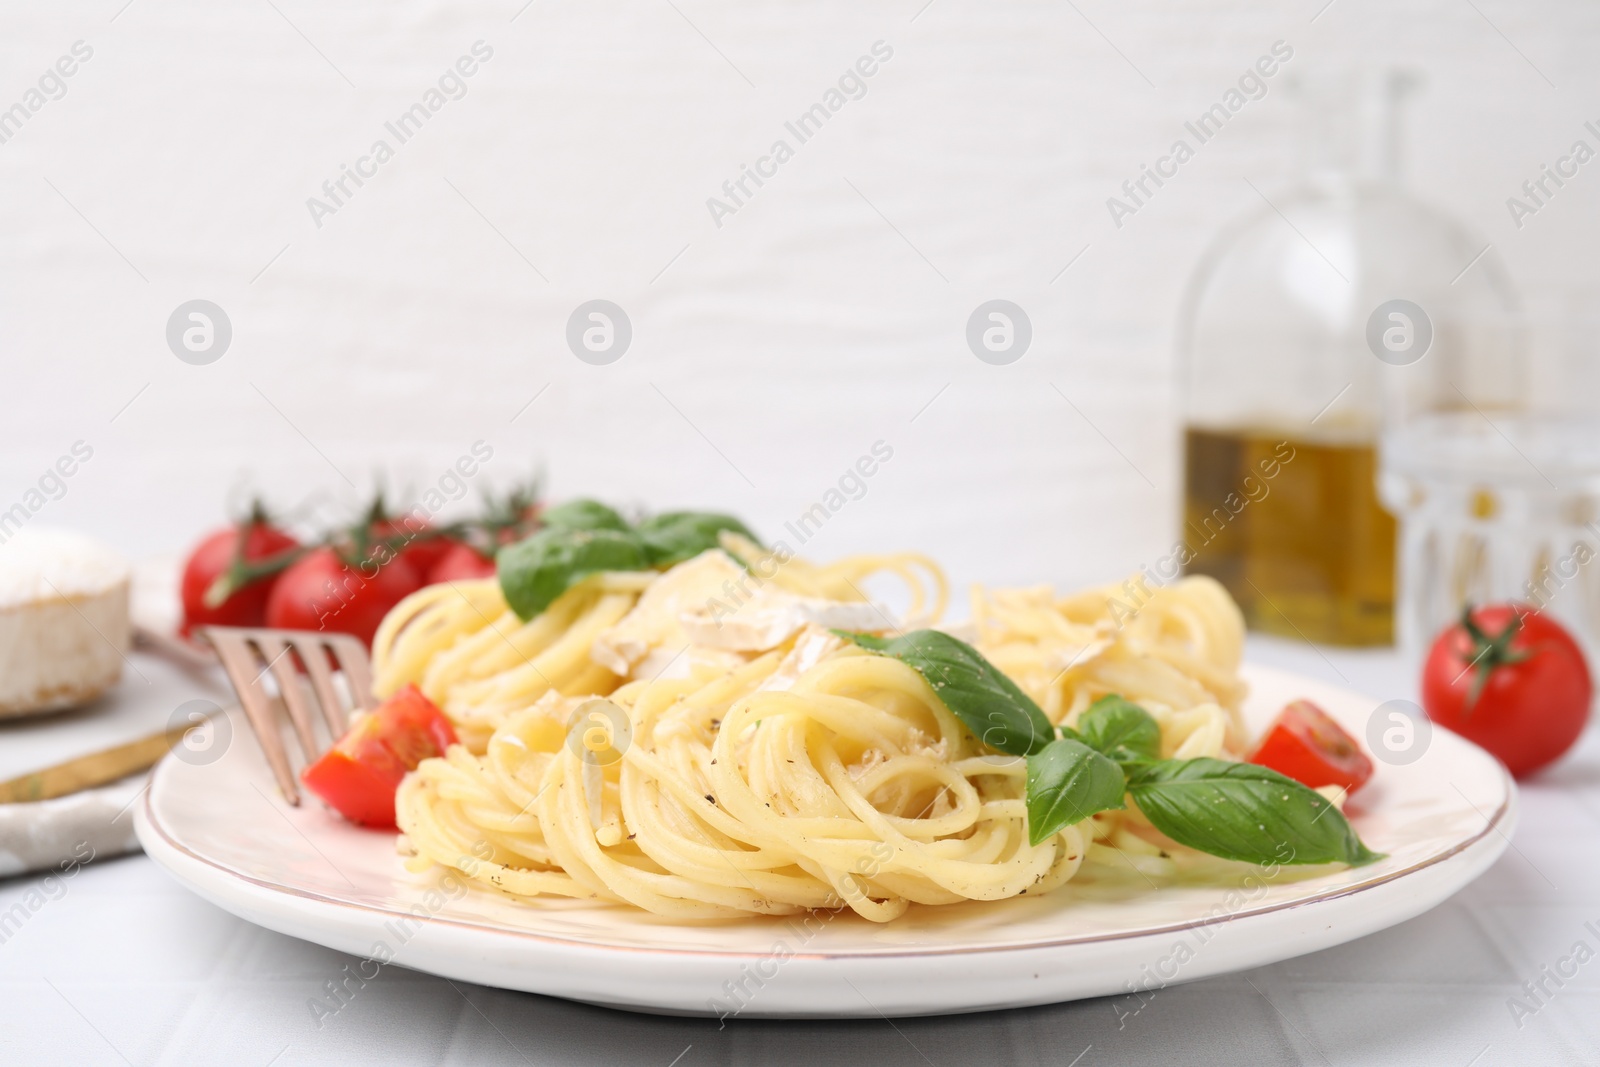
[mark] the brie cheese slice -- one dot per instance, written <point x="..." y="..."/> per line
<point x="810" y="648"/>
<point x="771" y="616"/>
<point x="652" y="629"/>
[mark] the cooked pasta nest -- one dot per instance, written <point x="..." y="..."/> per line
<point x="711" y="780"/>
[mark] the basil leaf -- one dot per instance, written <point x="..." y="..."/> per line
<point x="584" y="537"/>
<point x="536" y="570"/>
<point x="1242" y="811"/>
<point x="675" y="536"/>
<point x="582" y="515"/>
<point x="1067" y="782"/>
<point x="990" y="704"/>
<point x="1121" y="729"/>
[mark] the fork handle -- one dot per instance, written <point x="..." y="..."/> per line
<point x="183" y="652"/>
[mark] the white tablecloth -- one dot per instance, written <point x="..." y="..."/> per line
<point x="119" y="964"/>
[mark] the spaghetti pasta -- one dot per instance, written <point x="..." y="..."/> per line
<point x="1177" y="654"/>
<point x="751" y="762"/>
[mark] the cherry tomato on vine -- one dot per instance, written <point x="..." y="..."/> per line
<point x="324" y="591"/>
<point x="249" y="542"/>
<point x="1511" y="680"/>
<point x="526" y="522"/>
<point x="462" y="563"/>
<point x="420" y="546"/>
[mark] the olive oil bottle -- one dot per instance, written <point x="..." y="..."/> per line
<point x="1293" y="529"/>
<point x="1334" y="314"/>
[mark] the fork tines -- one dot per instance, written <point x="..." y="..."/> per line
<point x="250" y="655"/>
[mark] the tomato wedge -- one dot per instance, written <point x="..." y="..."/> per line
<point x="1305" y="744"/>
<point x="360" y="773"/>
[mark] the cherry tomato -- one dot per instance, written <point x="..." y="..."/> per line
<point x="1306" y="744"/>
<point x="422" y="548"/>
<point x="1511" y="680"/>
<point x="254" y="540"/>
<point x="462" y="563"/>
<point x="321" y="591"/>
<point x="358" y="776"/>
<point x="528" y="521"/>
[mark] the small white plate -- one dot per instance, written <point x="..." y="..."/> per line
<point x="222" y="829"/>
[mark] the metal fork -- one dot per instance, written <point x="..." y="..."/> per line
<point x="249" y="655"/>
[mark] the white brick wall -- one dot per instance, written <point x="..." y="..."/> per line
<point x="794" y="336"/>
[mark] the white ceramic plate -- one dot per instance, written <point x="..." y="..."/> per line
<point x="222" y="829"/>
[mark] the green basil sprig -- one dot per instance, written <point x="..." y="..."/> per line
<point x="1243" y="811"/>
<point x="675" y="536"/>
<point x="582" y="538"/>
<point x="582" y="515"/>
<point x="1067" y="782"/>
<point x="976" y="692"/>
<point x="537" y="569"/>
<point x="1121" y="729"/>
<point x="1239" y="811"/>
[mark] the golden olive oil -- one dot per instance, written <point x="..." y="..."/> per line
<point x="1293" y="529"/>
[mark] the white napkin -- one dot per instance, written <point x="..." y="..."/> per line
<point x="90" y="825"/>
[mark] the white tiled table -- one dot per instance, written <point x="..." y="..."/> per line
<point x="125" y="966"/>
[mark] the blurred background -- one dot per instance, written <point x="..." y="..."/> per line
<point x="772" y="344"/>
